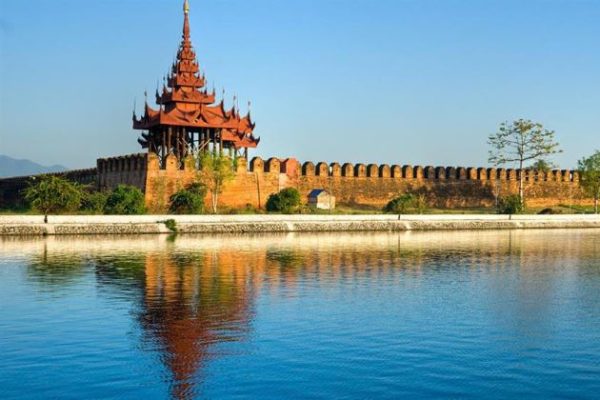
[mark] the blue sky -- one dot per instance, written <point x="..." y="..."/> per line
<point x="407" y="82"/>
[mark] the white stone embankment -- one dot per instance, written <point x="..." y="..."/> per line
<point x="27" y="225"/>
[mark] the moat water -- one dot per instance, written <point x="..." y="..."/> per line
<point x="352" y="316"/>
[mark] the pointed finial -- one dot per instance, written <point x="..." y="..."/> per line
<point x="146" y="97"/>
<point x="186" y="21"/>
<point x="134" y="106"/>
<point x="249" y="106"/>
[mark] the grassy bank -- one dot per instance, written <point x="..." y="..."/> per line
<point x="344" y="209"/>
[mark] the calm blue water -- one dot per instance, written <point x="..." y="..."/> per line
<point x="382" y="316"/>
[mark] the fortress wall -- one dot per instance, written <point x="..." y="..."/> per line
<point x="160" y="183"/>
<point x="371" y="185"/>
<point x="11" y="189"/>
<point x="128" y="170"/>
<point x="252" y="184"/>
<point x="374" y="185"/>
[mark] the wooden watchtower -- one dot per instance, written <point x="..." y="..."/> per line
<point x="187" y="120"/>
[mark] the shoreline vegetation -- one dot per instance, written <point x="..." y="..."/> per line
<point x="35" y="225"/>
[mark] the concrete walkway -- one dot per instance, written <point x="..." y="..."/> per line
<point x="14" y="225"/>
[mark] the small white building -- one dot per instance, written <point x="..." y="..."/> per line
<point x="320" y="198"/>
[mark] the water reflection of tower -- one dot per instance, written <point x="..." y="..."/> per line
<point x="189" y="305"/>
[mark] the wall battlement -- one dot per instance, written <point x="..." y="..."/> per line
<point x="409" y="172"/>
<point x="357" y="184"/>
<point x="131" y="162"/>
<point x="129" y="170"/>
<point x="11" y="189"/>
<point x="375" y="184"/>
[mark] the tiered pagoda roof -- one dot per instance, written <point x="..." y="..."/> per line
<point x="185" y="102"/>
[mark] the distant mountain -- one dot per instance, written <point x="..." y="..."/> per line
<point x="13" y="167"/>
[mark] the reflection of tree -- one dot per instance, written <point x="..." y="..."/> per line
<point x="121" y="273"/>
<point x="56" y="270"/>
<point x="286" y="258"/>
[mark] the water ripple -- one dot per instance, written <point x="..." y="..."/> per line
<point x="348" y="316"/>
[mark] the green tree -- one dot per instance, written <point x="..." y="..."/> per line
<point x="287" y="201"/>
<point x="125" y="200"/>
<point x="407" y="202"/>
<point x="94" y="201"/>
<point x="215" y="170"/>
<point x="542" y="165"/>
<point x="51" y="194"/>
<point x="512" y="204"/>
<point x="189" y="200"/>
<point x="400" y="204"/>
<point x="521" y="141"/>
<point x="421" y="203"/>
<point x="589" y="170"/>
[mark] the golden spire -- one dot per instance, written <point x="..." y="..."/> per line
<point x="186" y="21"/>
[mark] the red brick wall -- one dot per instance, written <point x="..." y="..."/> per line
<point x="358" y="184"/>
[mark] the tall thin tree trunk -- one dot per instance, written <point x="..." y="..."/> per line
<point x="215" y="196"/>
<point x="596" y="204"/>
<point x="521" y="180"/>
<point x="214" y="199"/>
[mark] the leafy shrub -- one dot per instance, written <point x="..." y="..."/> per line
<point x="53" y="194"/>
<point x="125" y="200"/>
<point x="171" y="225"/>
<point x="510" y="205"/>
<point x="420" y="203"/>
<point x="248" y="209"/>
<point x="188" y="201"/>
<point x="400" y="204"/>
<point x="94" y="202"/>
<point x="286" y="201"/>
<point x="550" y="211"/>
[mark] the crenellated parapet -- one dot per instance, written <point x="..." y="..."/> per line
<point x="128" y="170"/>
<point x="336" y="169"/>
<point x="443" y="186"/>
<point x="347" y="170"/>
<point x="440" y="173"/>
<point x="128" y="163"/>
<point x="384" y="171"/>
<point x="85" y="176"/>
<point x="11" y="189"/>
<point x="372" y="171"/>
<point x="353" y="184"/>
<point x="82" y="176"/>
<point x="431" y="173"/>
<point x="273" y="166"/>
<point x="257" y="165"/>
<point x="322" y="169"/>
